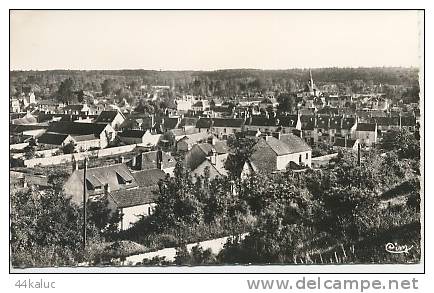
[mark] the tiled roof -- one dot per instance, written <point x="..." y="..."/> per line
<point x="76" y="128"/>
<point x="112" y="175"/>
<point x="52" y="138"/>
<point x="146" y="178"/>
<point x="340" y="142"/>
<point x="215" y="170"/>
<point x="366" y="127"/>
<point x="386" y="121"/>
<point x="204" y="123"/>
<point x="308" y="122"/>
<point x="228" y="122"/>
<point x="288" y="120"/>
<point x="25" y="120"/>
<point x="262" y="121"/>
<point x="107" y="116"/>
<point x="348" y="122"/>
<point x="408" y="121"/>
<point x="170" y="123"/>
<point x="188" y="121"/>
<point x="323" y="122"/>
<point x="132" y="133"/>
<point x="20" y="128"/>
<point x="295" y="143"/>
<point x="336" y="122"/>
<point x="77" y="107"/>
<point x="133" y="197"/>
<point x="148" y="160"/>
<point x="85" y="137"/>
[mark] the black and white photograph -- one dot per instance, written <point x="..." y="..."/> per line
<point x="216" y="140"/>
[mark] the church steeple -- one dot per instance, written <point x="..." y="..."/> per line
<point x="311" y="79"/>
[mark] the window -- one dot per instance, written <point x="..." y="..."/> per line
<point x="307" y="156"/>
<point x="299" y="160"/>
<point x="224" y="130"/>
<point x="124" y="178"/>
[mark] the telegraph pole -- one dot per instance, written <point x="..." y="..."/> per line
<point x="84" y="203"/>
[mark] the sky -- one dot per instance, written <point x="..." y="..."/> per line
<point x="211" y="40"/>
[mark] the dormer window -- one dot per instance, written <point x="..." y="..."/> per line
<point x="93" y="184"/>
<point x="124" y="178"/>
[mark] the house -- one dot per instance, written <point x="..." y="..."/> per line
<point x="289" y="123"/>
<point x="139" y="137"/>
<point x="201" y="105"/>
<point x="32" y="130"/>
<point x="48" y="106"/>
<point x="186" y="142"/>
<point x="337" y="101"/>
<point x="153" y="160"/>
<point x="213" y="166"/>
<point x="100" y="134"/>
<point x="204" y="124"/>
<point x="114" y="118"/>
<point x="185" y="103"/>
<point x="366" y="133"/>
<point x="27" y="119"/>
<point x="221" y="111"/>
<point x="141" y="122"/>
<point x="323" y="129"/>
<point x="265" y="124"/>
<point x="199" y="153"/>
<point x="268" y="103"/>
<point x="55" y="140"/>
<point x="224" y="127"/>
<point x="346" y="143"/>
<point x="135" y="203"/>
<point x="15" y="106"/>
<point x="384" y="124"/>
<point x="409" y="123"/>
<point x="348" y="127"/>
<point x="77" y="109"/>
<point x="275" y="154"/>
<point x="308" y="129"/>
<point x="98" y="181"/>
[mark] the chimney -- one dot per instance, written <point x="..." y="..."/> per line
<point x="214" y="157"/>
<point x="121" y="159"/>
<point x="106" y="189"/>
<point x="74" y="165"/>
<point x="159" y="159"/>
<point x="133" y="162"/>
<point x="276" y="135"/>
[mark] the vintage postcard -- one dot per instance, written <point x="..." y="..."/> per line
<point x="224" y="141"/>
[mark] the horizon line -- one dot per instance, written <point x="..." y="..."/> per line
<point x="222" y="69"/>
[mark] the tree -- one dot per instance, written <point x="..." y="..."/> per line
<point x="109" y="86"/>
<point x="402" y="141"/>
<point x="57" y="178"/>
<point x="103" y="217"/>
<point x="46" y="229"/>
<point x="65" y="93"/>
<point x="242" y="149"/>
<point x="69" y="148"/>
<point x="197" y="256"/>
<point x="29" y="152"/>
<point x="177" y="204"/>
<point x="287" y="103"/>
<point x="145" y="107"/>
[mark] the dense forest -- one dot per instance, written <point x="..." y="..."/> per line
<point x="223" y="83"/>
